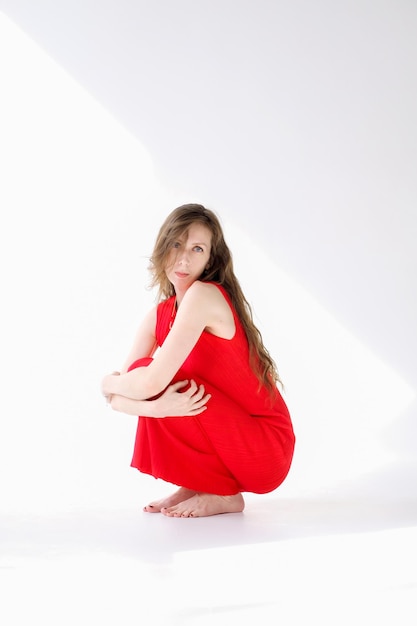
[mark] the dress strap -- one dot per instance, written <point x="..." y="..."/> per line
<point x="164" y="319"/>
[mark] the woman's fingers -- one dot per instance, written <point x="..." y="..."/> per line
<point x="193" y="400"/>
<point x="178" y="385"/>
<point x="196" y="392"/>
<point x="200" y="398"/>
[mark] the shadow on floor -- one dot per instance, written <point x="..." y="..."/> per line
<point x="154" y="538"/>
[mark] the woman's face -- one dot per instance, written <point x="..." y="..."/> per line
<point x="189" y="257"/>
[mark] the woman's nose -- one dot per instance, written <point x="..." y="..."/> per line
<point x="183" y="258"/>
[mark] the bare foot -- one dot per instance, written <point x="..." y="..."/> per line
<point x="172" y="500"/>
<point x="205" y="504"/>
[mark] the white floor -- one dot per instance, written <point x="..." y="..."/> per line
<point x="283" y="561"/>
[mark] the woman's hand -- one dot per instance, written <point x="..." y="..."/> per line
<point x="175" y="403"/>
<point x="105" y="384"/>
<point x="170" y="403"/>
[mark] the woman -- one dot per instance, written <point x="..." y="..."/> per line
<point x="212" y="420"/>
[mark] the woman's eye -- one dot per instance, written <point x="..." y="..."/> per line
<point x="198" y="249"/>
<point x="176" y="244"/>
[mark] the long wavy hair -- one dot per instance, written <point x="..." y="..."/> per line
<point x="220" y="270"/>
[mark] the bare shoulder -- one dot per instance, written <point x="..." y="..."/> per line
<point x="210" y="303"/>
<point x="205" y="294"/>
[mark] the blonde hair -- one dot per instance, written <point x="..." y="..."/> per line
<point x="220" y="270"/>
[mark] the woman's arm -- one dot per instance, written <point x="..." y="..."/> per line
<point x="144" y="343"/>
<point x="172" y="403"/>
<point x="196" y="311"/>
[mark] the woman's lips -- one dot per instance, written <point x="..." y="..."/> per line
<point x="181" y="274"/>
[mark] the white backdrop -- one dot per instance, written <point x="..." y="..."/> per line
<point x="296" y="123"/>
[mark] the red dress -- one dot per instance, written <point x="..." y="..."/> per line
<point x="243" y="441"/>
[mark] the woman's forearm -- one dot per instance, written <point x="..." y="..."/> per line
<point x="174" y="402"/>
<point x="146" y="408"/>
<point x="135" y="385"/>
